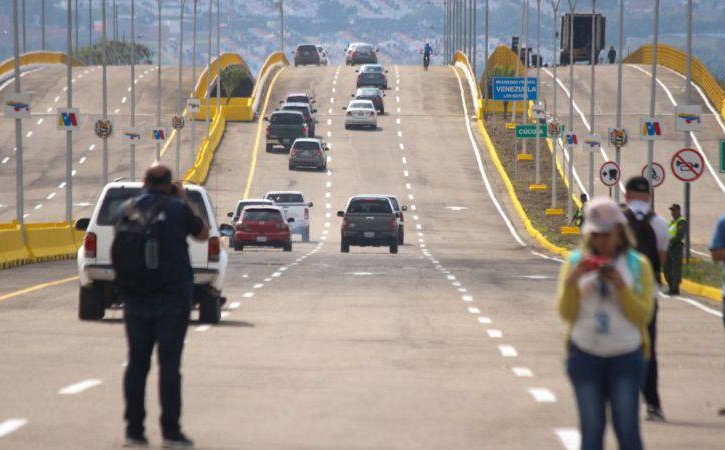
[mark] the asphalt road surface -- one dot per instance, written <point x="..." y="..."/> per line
<point x="452" y="343"/>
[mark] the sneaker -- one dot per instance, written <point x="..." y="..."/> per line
<point x="655" y="414"/>
<point x="136" y="441"/>
<point x="177" y="441"/>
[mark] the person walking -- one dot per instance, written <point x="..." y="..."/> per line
<point x="612" y="55"/>
<point x="717" y="251"/>
<point x="676" y="250"/>
<point x="605" y="295"/>
<point x="578" y="219"/>
<point x="652" y="236"/>
<point x="157" y="316"/>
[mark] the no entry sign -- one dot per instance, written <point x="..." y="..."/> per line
<point x="687" y="164"/>
<point x="658" y="174"/>
<point x="609" y="173"/>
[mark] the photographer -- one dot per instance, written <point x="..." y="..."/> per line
<point x="605" y="295"/>
<point x="158" y="316"/>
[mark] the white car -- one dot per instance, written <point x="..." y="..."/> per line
<point x="323" y="55"/>
<point x="361" y="113"/>
<point x="295" y="207"/>
<point x="208" y="259"/>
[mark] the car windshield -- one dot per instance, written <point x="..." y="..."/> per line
<point x="369" y="206"/>
<point x="115" y="197"/>
<point x="366" y="49"/>
<point x="302" y="109"/>
<point x="307" y="49"/>
<point x="262" y="215"/>
<point x="298" y="99"/>
<point x="372" y="69"/>
<point x="306" y="145"/>
<point x="287" y="119"/>
<point x="361" y="105"/>
<point x="286" y="198"/>
<point x="368" y="92"/>
<point x="241" y="206"/>
<point x="394" y="201"/>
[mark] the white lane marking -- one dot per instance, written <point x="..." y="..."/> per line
<point x="329" y="134"/>
<point x="408" y="186"/>
<point x="523" y="372"/>
<point x="332" y="99"/>
<point x="542" y="395"/>
<point x="248" y="295"/>
<point x="202" y="328"/>
<point x="541" y="255"/>
<point x="329" y="111"/>
<point x="397" y="88"/>
<point x="30" y="133"/>
<point x="397" y="99"/>
<point x="451" y="277"/>
<point x="328" y="184"/>
<point x="282" y="269"/>
<point x="411" y="197"/>
<point x="329" y="172"/>
<point x="495" y="334"/>
<point x="696" y="304"/>
<point x="329" y="122"/>
<point x="405" y="173"/>
<point x="116" y="111"/>
<point x="402" y="147"/>
<point x="569" y="437"/>
<point x="65" y="88"/>
<point x="418" y="227"/>
<point x="39" y="121"/>
<point x="404" y="160"/>
<point x="61" y="185"/>
<point x="259" y="286"/>
<point x="73" y="172"/>
<point x="327" y="225"/>
<point x="79" y="387"/>
<point x="276" y="274"/>
<point x="38" y="206"/>
<point x="6" y="159"/>
<point x="50" y="196"/>
<point x="398" y="110"/>
<point x="10" y="425"/>
<point x="82" y="160"/>
<point x="234" y="305"/>
<point x="57" y="98"/>
<point x="49" y="110"/>
<point x="400" y="133"/>
<point x="267" y="280"/>
<point x="123" y="100"/>
<point x="333" y="90"/>
<point x="484" y="320"/>
<point x="474" y="310"/>
<point x="225" y="314"/>
<point x="397" y="120"/>
<point x="129" y="89"/>
<point x="467" y="298"/>
<point x="507" y="351"/>
<point x="328" y="215"/>
<point x="481" y="169"/>
<point x="328" y="195"/>
<point x="91" y="147"/>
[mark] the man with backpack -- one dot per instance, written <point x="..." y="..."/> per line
<point x="155" y="282"/>
<point x="717" y="251"/>
<point x="652" y="234"/>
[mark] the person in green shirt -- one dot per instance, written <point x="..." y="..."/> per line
<point x="675" y="250"/>
<point x="578" y="219"/>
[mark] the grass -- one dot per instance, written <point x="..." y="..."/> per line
<point x="704" y="272"/>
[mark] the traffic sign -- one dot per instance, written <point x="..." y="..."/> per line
<point x="609" y="173"/>
<point x="592" y="143"/>
<point x="571" y="139"/>
<point x="687" y="164"/>
<point x="511" y="89"/>
<point x="618" y="137"/>
<point x="555" y="129"/>
<point x="193" y="104"/>
<point x="687" y="118"/>
<point x="132" y="135"/>
<point x="658" y="174"/>
<point x="17" y="105"/>
<point x="158" y="134"/>
<point x="538" y="110"/>
<point x="68" y="119"/>
<point x="650" y="129"/>
<point x="722" y="156"/>
<point x="528" y="131"/>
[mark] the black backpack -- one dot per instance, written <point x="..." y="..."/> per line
<point x="646" y="238"/>
<point x="136" y="252"/>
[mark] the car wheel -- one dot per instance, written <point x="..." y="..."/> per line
<point x="382" y="110"/>
<point x="210" y="307"/>
<point x="270" y="147"/>
<point x="344" y="246"/>
<point x="347" y="127"/>
<point x="288" y="246"/>
<point x="291" y="166"/>
<point x="394" y="247"/>
<point x="306" y="235"/>
<point x="90" y="303"/>
<point x="401" y="236"/>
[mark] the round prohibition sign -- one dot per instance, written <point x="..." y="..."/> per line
<point x="687" y="164"/>
<point x="658" y="174"/>
<point x="609" y="173"/>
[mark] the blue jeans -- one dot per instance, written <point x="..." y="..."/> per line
<point x="600" y="380"/>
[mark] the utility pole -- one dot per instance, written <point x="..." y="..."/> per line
<point x="133" y="85"/>
<point x="593" y="64"/>
<point x="90" y="22"/>
<point x="280" y="4"/>
<point x="474" y="28"/>
<point x="688" y="141"/>
<point x="485" y="63"/>
<point x="68" y="133"/>
<point x="179" y="105"/>
<point x="555" y="114"/>
<point x="19" y="193"/>
<point x="75" y="10"/>
<point x="42" y="25"/>
<point x="25" y="25"/>
<point x="219" y="56"/>
<point x="158" y="78"/>
<point x="192" y="115"/>
<point x="525" y="102"/>
<point x="104" y="64"/>
<point x="538" y="84"/>
<point x="570" y="171"/>
<point x="653" y="94"/>
<point x="618" y="150"/>
<point x="208" y="74"/>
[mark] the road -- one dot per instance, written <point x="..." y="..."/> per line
<point x="452" y="343"/>
<point x="708" y="192"/>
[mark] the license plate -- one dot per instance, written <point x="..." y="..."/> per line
<point x="369" y="234"/>
<point x="261" y="238"/>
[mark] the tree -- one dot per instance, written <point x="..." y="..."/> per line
<point x="118" y="53"/>
<point x="236" y="81"/>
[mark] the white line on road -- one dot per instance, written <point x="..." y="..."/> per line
<point x="495" y="334"/>
<point x="50" y="196"/>
<point x="73" y="172"/>
<point x="38" y="206"/>
<point x="49" y="110"/>
<point x="405" y="173"/>
<point x="507" y="350"/>
<point x="202" y="328"/>
<point x="523" y="372"/>
<point x="397" y="99"/>
<point x="329" y="134"/>
<point x="329" y="122"/>
<point x="451" y="277"/>
<point x="6" y="159"/>
<point x="10" y="425"/>
<point x="542" y="395"/>
<point x="234" y="305"/>
<point x="30" y="133"/>
<point x="82" y="160"/>
<point x="39" y="121"/>
<point x="248" y="295"/>
<point x="569" y="437"/>
<point x="402" y="147"/>
<point x="397" y="120"/>
<point x="91" y="147"/>
<point x="474" y="310"/>
<point x="276" y="274"/>
<point x="484" y="320"/>
<point x="123" y="100"/>
<point x="259" y="286"/>
<point x="400" y="133"/>
<point x="79" y="387"/>
<point x="467" y="298"/>
<point x="404" y="160"/>
<point x="332" y="99"/>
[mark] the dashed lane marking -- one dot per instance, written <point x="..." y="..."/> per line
<point x="234" y="305"/>
<point x="484" y="320"/>
<point x="569" y="437"/>
<point x="248" y="295"/>
<point x="259" y="286"/>
<point x="507" y="351"/>
<point x="50" y="196"/>
<point x="523" y="372"/>
<point x="495" y="334"/>
<point x="474" y="310"/>
<point x="79" y="387"/>
<point x="542" y="395"/>
<point x="10" y="425"/>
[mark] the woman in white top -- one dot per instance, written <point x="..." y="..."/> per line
<point x="605" y="295"/>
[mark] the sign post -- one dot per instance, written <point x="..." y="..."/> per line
<point x="592" y="143"/>
<point x="609" y="173"/>
<point x="722" y="156"/>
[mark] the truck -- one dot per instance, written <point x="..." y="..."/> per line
<point x="582" y="36"/>
<point x="295" y="207"/>
<point x="284" y="127"/>
<point x="369" y="221"/>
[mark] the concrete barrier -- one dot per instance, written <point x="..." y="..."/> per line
<point x="37" y="58"/>
<point x="199" y="172"/>
<point x="12" y="250"/>
<point x="48" y="241"/>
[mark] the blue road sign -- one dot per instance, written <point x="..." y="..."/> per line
<point x="511" y="89"/>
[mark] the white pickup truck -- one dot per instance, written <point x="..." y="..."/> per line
<point x="208" y="259"/>
<point x="295" y="207"/>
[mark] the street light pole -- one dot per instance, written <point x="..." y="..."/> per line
<point x="192" y="115"/>
<point x="688" y="96"/>
<point x="19" y="194"/>
<point x="485" y="62"/>
<point x="133" y="85"/>
<point x="219" y="57"/>
<point x="538" y="84"/>
<point x="179" y="107"/>
<point x="42" y="24"/>
<point x="617" y="149"/>
<point x="90" y="22"/>
<point x="525" y="102"/>
<point x="104" y="88"/>
<point x="592" y="63"/>
<point x="25" y="24"/>
<point x="474" y="28"/>
<point x="555" y="113"/>
<point x="208" y="75"/>
<point x="68" y="133"/>
<point x="653" y="94"/>
<point x="75" y="10"/>
<point x="570" y="171"/>
<point x="158" y="78"/>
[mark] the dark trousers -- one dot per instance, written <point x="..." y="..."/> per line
<point x="650" y="390"/>
<point x="143" y="331"/>
<point x="673" y="266"/>
<point x="599" y="381"/>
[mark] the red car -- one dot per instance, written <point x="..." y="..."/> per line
<point x="263" y="226"/>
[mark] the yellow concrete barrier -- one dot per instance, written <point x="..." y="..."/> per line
<point x="48" y="241"/>
<point x="676" y="60"/>
<point x="199" y="172"/>
<point x="12" y="250"/>
<point x="37" y="58"/>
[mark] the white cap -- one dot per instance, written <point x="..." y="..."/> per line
<point x="602" y="215"/>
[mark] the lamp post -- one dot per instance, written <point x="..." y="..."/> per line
<point x="525" y="102"/>
<point x="618" y="149"/>
<point x="90" y="23"/>
<point x="219" y="56"/>
<point x="193" y="83"/>
<point x="19" y="194"/>
<point x="133" y="85"/>
<point x="653" y="92"/>
<point x="208" y="74"/>
<point x="25" y="48"/>
<point x="280" y="5"/>
<point x="75" y="11"/>
<point x="485" y="63"/>
<point x="42" y="24"/>
<point x="158" y="78"/>
<point x="554" y="142"/>
<point x="104" y="88"/>
<point x="538" y="84"/>
<point x="179" y="107"/>
<point x="688" y="96"/>
<point x="69" y="104"/>
<point x="570" y="169"/>
<point x="592" y="64"/>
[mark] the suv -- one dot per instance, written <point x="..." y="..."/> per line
<point x="373" y="94"/>
<point x="401" y="217"/>
<point x="360" y="53"/>
<point x="294" y="206"/>
<point x="263" y="226"/>
<point x="307" y="110"/>
<point x="308" y="152"/>
<point x="208" y="259"/>
<point x="369" y="221"/>
<point x="307" y="54"/>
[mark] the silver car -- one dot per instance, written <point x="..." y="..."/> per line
<point x="361" y="113"/>
<point x="308" y="152"/>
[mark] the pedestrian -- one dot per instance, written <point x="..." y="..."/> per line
<point x="717" y="251"/>
<point x="578" y="219"/>
<point x="605" y="296"/>
<point x="652" y="236"/>
<point x="676" y="250"/>
<point x="612" y="55"/>
<point x="157" y="305"/>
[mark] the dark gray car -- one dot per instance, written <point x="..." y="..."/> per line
<point x="307" y="54"/>
<point x="369" y="221"/>
<point x="308" y="153"/>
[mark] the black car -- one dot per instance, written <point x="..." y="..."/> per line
<point x="360" y="53"/>
<point x="307" y="54"/>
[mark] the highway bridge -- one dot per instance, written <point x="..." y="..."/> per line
<point x="453" y="343"/>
